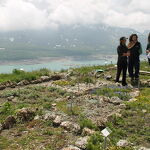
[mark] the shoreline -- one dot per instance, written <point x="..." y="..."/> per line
<point x="43" y="60"/>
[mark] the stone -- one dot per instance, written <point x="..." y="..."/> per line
<point x="9" y="122"/>
<point x="71" y="148"/>
<point x="82" y="142"/>
<point x="144" y="110"/>
<point x="135" y="94"/>
<point x="49" y="116"/>
<point x="25" y="114"/>
<point x="143" y="148"/>
<point x="45" y="78"/>
<point x="115" y="100"/>
<point x="57" y="120"/>
<point x="132" y="100"/>
<point x="23" y="82"/>
<point x="70" y="126"/>
<point x="1" y="127"/>
<point x="87" y="131"/>
<point x="10" y="98"/>
<point x="37" y="117"/>
<point x="55" y="77"/>
<point x="54" y="105"/>
<point x="108" y="77"/>
<point x="122" y="106"/>
<point x="123" y="143"/>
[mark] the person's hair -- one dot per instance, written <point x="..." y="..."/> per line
<point x="149" y="38"/>
<point x="121" y="42"/>
<point x="131" y="37"/>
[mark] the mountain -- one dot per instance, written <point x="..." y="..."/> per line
<point x="80" y="41"/>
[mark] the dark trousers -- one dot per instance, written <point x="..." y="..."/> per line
<point x="149" y="61"/>
<point x="121" y="67"/>
<point x="134" y="67"/>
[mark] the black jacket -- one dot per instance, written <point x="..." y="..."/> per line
<point x="135" y="51"/>
<point x="120" y="50"/>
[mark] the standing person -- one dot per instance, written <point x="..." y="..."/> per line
<point x="135" y="49"/>
<point x="148" y="49"/>
<point x="122" y="61"/>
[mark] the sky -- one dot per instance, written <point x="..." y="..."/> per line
<point x="40" y="14"/>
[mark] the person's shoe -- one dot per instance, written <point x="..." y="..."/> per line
<point x="124" y="84"/>
<point x="132" y="79"/>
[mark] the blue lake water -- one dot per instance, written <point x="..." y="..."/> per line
<point x="55" y="65"/>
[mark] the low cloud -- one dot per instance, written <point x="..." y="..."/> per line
<point x="39" y="14"/>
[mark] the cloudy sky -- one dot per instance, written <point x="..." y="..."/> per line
<point x="39" y="14"/>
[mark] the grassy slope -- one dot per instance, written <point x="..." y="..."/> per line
<point x="133" y="124"/>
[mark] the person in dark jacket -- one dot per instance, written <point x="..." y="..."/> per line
<point x="122" y="51"/>
<point x="135" y="49"/>
<point x="148" y="49"/>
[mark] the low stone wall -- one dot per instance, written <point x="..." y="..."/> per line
<point x="11" y="84"/>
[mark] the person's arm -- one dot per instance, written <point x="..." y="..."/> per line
<point x="140" y="49"/>
<point x="147" y="49"/>
<point x="119" y="51"/>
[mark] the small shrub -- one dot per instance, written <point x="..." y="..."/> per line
<point x="84" y="122"/>
<point x="95" y="142"/>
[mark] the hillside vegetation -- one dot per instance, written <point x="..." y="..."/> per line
<point x="67" y="110"/>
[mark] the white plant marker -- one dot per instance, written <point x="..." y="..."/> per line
<point x="106" y="132"/>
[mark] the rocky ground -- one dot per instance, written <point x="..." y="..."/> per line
<point x="68" y="111"/>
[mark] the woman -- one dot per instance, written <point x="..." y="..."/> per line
<point x="148" y="49"/>
<point x="135" y="49"/>
<point x="122" y="51"/>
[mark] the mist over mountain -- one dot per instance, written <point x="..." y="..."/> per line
<point x="76" y="41"/>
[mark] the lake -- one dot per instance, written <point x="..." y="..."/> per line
<point x="56" y="64"/>
<point x="59" y="63"/>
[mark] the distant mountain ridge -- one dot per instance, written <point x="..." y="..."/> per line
<point x="66" y="41"/>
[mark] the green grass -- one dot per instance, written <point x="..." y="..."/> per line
<point x="30" y="97"/>
<point x="134" y="124"/>
<point x="144" y="66"/>
<point x="84" y="122"/>
<point x="17" y="75"/>
<point x="66" y="108"/>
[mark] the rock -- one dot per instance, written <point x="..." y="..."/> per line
<point x="118" y="84"/>
<point x="36" y="81"/>
<point x="82" y="142"/>
<point x="115" y="100"/>
<point x="2" y="87"/>
<point x="108" y="77"/>
<point x="144" y="110"/>
<point x="123" y="143"/>
<point x="9" y="122"/>
<point x="132" y="100"/>
<point x="23" y="82"/>
<point x="25" y="114"/>
<point x="143" y="148"/>
<point x="122" y="106"/>
<point x="49" y="116"/>
<point x="54" y="105"/>
<point x="1" y="127"/>
<point x="10" y="98"/>
<point x="71" y="148"/>
<point x="55" y="77"/>
<point x="37" y="117"/>
<point x="87" y="131"/>
<point x="135" y="93"/>
<point x="57" y="120"/>
<point x="145" y="83"/>
<point x="70" y="126"/>
<point x="45" y="78"/>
